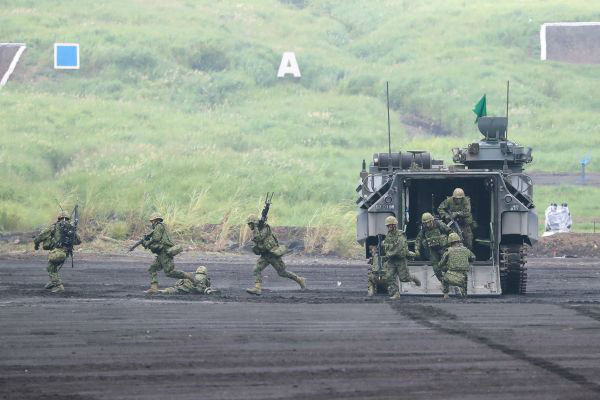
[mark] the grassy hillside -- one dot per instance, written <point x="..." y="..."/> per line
<point x="176" y="106"/>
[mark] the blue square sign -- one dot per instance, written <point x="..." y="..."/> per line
<point x="66" y="56"/>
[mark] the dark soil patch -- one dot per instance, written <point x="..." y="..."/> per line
<point x="567" y="245"/>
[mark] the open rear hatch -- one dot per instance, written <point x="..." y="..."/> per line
<point x="424" y="193"/>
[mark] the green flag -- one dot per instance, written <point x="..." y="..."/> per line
<point x="480" y="108"/>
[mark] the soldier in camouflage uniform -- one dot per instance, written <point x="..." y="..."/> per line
<point x="432" y="241"/>
<point x="458" y="208"/>
<point x="186" y="286"/>
<point x="56" y="238"/>
<point x="375" y="276"/>
<point x="267" y="247"/>
<point x="159" y="243"/>
<point x="396" y="252"/>
<point x="455" y="262"/>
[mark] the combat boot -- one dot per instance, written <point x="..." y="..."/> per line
<point x="302" y="282"/>
<point x="49" y="285"/>
<point x="396" y="296"/>
<point x="58" y="288"/>
<point x="255" y="290"/>
<point x="153" y="289"/>
<point x="415" y="280"/>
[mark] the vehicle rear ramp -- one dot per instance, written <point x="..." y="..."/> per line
<point x="483" y="280"/>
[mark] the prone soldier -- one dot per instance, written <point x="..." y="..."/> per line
<point x="457" y="208"/>
<point x="396" y="253"/>
<point x="59" y="238"/>
<point x="201" y="285"/>
<point x="455" y="263"/>
<point x="432" y="241"/>
<point x="267" y="247"/>
<point x="159" y="243"/>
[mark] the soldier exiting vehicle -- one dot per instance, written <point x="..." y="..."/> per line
<point x="267" y="247"/>
<point x="159" y="243"/>
<point x="201" y="285"/>
<point x="455" y="263"/>
<point x="396" y="253"/>
<point x="432" y="241"/>
<point x="59" y="238"/>
<point x="457" y="209"/>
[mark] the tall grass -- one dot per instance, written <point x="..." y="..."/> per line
<point x="176" y="107"/>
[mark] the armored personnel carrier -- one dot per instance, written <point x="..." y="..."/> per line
<point x="407" y="184"/>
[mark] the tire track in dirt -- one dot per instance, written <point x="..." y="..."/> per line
<point x="584" y="310"/>
<point x="442" y="321"/>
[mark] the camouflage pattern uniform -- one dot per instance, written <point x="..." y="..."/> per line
<point x="375" y="277"/>
<point x="54" y="238"/>
<point x="159" y="243"/>
<point x="455" y="263"/>
<point x="186" y="286"/>
<point x="267" y="247"/>
<point x="432" y="241"/>
<point x="396" y="253"/>
<point x="458" y="208"/>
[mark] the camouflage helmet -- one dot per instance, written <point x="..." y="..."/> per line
<point x="201" y="270"/>
<point x="458" y="193"/>
<point x="252" y="219"/>
<point x="154" y="216"/>
<point x="426" y="217"/>
<point x="453" y="238"/>
<point x="62" y="215"/>
<point x="391" y="221"/>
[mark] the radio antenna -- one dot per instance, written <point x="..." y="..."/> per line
<point x="507" y="87"/>
<point x="58" y="202"/>
<point x="387" y="95"/>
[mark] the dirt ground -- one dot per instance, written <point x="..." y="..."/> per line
<point x="570" y="245"/>
<point x="104" y="339"/>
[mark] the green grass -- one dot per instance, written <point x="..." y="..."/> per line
<point x="177" y="108"/>
<point x="582" y="203"/>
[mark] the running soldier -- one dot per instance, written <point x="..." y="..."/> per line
<point x="396" y="253"/>
<point x="432" y="241"/>
<point x="186" y="286"/>
<point x="455" y="262"/>
<point x="159" y="243"/>
<point x="59" y="238"/>
<point x="458" y="209"/>
<point x="267" y="247"/>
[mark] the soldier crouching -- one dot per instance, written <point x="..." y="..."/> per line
<point x="455" y="262"/>
<point x="432" y="240"/>
<point x="201" y="285"/>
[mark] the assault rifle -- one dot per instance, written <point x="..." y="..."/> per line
<point x="456" y="228"/>
<point x="379" y="258"/>
<point x="136" y="244"/>
<point x="265" y="211"/>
